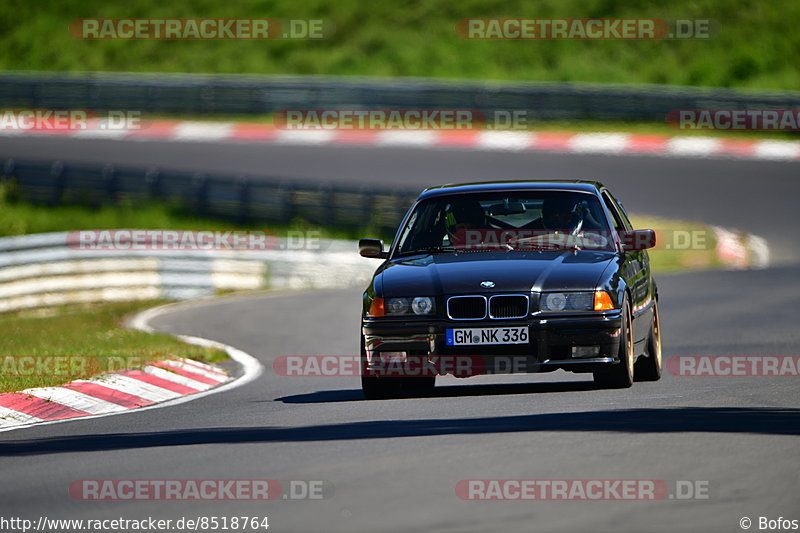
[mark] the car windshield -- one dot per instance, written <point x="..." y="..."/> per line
<point x="523" y="220"/>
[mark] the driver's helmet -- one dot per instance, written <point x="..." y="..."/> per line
<point x="465" y="214"/>
<point x="464" y="217"/>
<point x="561" y="213"/>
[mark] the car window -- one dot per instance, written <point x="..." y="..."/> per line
<point x="619" y="224"/>
<point x="621" y="210"/>
<point x="506" y="219"/>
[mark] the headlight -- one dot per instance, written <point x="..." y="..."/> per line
<point x="576" y="301"/>
<point x="396" y="306"/>
<point x="421" y="305"/>
<point x="567" y="301"/>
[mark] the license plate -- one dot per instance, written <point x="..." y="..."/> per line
<point x="481" y="336"/>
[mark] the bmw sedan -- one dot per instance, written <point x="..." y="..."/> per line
<point x="510" y="277"/>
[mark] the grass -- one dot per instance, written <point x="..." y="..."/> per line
<point x="418" y="38"/>
<point x="91" y="334"/>
<point x="672" y="253"/>
<point x="18" y="217"/>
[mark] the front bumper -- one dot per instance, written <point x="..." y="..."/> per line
<point x="550" y="346"/>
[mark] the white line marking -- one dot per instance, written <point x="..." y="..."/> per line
<point x="305" y="136"/>
<point x="504" y="140"/>
<point x="199" y="364"/>
<point x="136" y="387"/>
<point x="175" y="378"/>
<point x="693" y="146"/>
<point x="75" y="399"/>
<point x="779" y="150"/>
<point x="183" y="365"/>
<point x="600" y="143"/>
<point x="405" y="138"/>
<point x="759" y="251"/>
<point x="202" y="131"/>
<point x="100" y="129"/>
<point x="251" y="369"/>
<point x="10" y="419"/>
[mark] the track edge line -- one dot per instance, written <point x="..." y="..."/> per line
<point x="251" y="369"/>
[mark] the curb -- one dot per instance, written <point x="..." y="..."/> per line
<point x="491" y="140"/>
<point x="157" y="384"/>
<point x="740" y="251"/>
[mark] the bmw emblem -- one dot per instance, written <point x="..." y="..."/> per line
<point x="487" y="284"/>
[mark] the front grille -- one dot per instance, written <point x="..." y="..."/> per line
<point x="466" y="307"/>
<point x="501" y="306"/>
<point x="508" y="306"/>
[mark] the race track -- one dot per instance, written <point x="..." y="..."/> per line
<point x="754" y="196"/>
<point x="393" y="465"/>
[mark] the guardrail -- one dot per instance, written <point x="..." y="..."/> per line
<point x="50" y="269"/>
<point x="247" y="94"/>
<point x="43" y="270"/>
<point x="246" y="200"/>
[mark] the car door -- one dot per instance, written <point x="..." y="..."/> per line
<point x="636" y="269"/>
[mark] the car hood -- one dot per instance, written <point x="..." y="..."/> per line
<point x="513" y="271"/>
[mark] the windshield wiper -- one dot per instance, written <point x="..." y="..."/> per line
<point x="428" y="250"/>
<point x="529" y="244"/>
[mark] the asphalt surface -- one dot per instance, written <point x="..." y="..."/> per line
<point x="755" y="196"/>
<point x="393" y="465"/>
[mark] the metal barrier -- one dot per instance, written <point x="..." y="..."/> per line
<point x="246" y="94"/>
<point x="238" y="198"/>
<point x="46" y="269"/>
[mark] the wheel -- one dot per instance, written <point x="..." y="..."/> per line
<point x="380" y="388"/>
<point x="385" y="388"/>
<point x="377" y="388"/>
<point x="649" y="368"/>
<point x="419" y="386"/>
<point x="620" y="375"/>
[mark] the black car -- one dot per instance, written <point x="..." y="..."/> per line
<point x="510" y="276"/>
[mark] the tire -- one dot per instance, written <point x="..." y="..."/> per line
<point x="380" y="388"/>
<point x="383" y="388"/>
<point x="387" y="388"/>
<point x="419" y="386"/>
<point x="649" y="368"/>
<point x="620" y="375"/>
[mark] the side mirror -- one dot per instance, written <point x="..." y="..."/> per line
<point x="372" y="248"/>
<point x="639" y="239"/>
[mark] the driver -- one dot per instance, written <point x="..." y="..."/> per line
<point x="463" y="216"/>
<point x="562" y="213"/>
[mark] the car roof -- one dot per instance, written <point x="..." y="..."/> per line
<point x="511" y="185"/>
